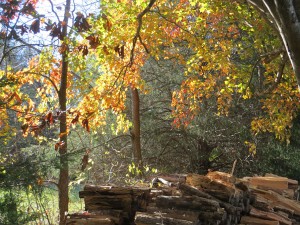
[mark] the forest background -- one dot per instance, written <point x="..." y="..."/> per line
<point x="113" y="91"/>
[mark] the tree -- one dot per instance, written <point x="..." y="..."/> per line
<point x="208" y="40"/>
<point x="284" y="17"/>
<point x="63" y="183"/>
<point x="48" y="72"/>
<point x="136" y="129"/>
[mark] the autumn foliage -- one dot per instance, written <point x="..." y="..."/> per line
<point x="216" y="43"/>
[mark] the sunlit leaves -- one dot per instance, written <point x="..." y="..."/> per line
<point x="221" y="47"/>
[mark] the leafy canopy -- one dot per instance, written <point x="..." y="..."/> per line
<point x="228" y="51"/>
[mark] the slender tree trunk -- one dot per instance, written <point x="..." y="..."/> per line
<point x="136" y="130"/>
<point x="63" y="182"/>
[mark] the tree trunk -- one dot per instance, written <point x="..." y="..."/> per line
<point x="284" y="16"/>
<point x="289" y="19"/>
<point x="63" y="151"/>
<point x="135" y="132"/>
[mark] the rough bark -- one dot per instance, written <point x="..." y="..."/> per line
<point x="136" y="130"/>
<point x="62" y="95"/>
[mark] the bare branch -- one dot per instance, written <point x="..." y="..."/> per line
<point x="53" y="10"/>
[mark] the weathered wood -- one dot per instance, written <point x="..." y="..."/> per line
<point x="173" y="178"/>
<point x="115" y="215"/>
<point x="112" y="190"/>
<point x="187" y="202"/>
<point x="150" y="219"/>
<point x="222" y="195"/>
<point x="205" y="183"/>
<point x="190" y="190"/>
<point x="288" y="212"/>
<point x="270" y="216"/>
<point x="219" y="215"/>
<point x="250" y="220"/>
<point x="217" y="175"/>
<point x="217" y="198"/>
<point x="103" y="220"/>
<point x="293" y="184"/>
<point x="274" y="199"/>
<point x="230" y="216"/>
<point x="108" y="202"/>
<point x="261" y="203"/>
<point x="175" y="213"/>
<point x="272" y="183"/>
<point x="197" y="180"/>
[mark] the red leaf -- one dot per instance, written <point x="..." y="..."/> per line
<point x="56" y="31"/>
<point x="81" y="23"/>
<point x="93" y="41"/>
<point x="59" y="145"/>
<point x="56" y="146"/>
<point x="75" y="120"/>
<point x="35" y="26"/>
<point x="49" y="118"/>
<point x="85" y="124"/>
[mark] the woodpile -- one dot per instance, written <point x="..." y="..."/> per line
<point x="110" y="205"/>
<point x="214" y="199"/>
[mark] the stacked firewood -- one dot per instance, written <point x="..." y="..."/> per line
<point x="214" y="199"/>
<point x="110" y="205"/>
<point x="220" y="198"/>
<point x="274" y="201"/>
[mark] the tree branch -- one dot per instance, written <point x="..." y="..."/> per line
<point x="138" y="30"/>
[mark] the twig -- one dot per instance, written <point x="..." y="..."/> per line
<point x="138" y="30"/>
<point x="233" y="167"/>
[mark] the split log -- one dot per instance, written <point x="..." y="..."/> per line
<point x="127" y="199"/>
<point x="276" y="200"/>
<point x="206" y="184"/>
<point x="190" y="190"/>
<point x="112" y="190"/>
<point x="284" y="211"/>
<point x="271" y="183"/>
<point x="187" y="202"/>
<point x="173" y="178"/>
<point x="250" y="220"/>
<point x="150" y="219"/>
<point x="115" y="215"/>
<point x="194" y="191"/>
<point x="292" y="184"/>
<point x="103" y="220"/>
<point x="174" y="213"/>
<point x="108" y="197"/>
<point x="270" y="216"/>
<point x="217" y="175"/>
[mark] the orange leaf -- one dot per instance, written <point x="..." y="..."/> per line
<point x="59" y="145"/>
<point x="49" y="118"/>
<point x="62" y="134"/>
<point x="17" y="97"/>
<point x="75" y="120"/>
